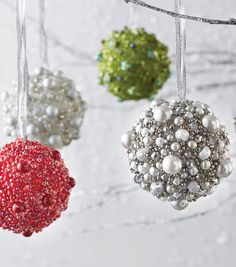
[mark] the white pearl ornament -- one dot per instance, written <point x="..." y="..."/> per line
<point x="55" y="109"/>
<point x="181" y="150"/>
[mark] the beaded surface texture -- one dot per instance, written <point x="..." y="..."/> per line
<point x="178" y="151"/>
<point x="34" y="187"/>
<point x="55" y="109"/>
<point x="133" y="64"/>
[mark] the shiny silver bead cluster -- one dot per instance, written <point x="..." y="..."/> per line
<point x="178" y="151"/>
<point x="55" y="109"/>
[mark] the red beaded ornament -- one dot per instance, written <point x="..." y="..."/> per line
<point x="34" y="186"/>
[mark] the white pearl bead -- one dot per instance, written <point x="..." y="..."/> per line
<point x="192" y="144"/>
<point x="76" y="122"/>
<point x="126" y="140"/>
<point x="182" y="135"/>
<point x="193" y="171"/>
<point x="160" y="141"/>
<point x="175" y="146"/>
<point x="51" y="111"/>
<point x="170" y="189"/>
<point x="147" y="140"/>
<point x="205" y="153"/>
<point x="205" y="165"/>
<point x="157" y="102"/>
<point x="178" y="121"/>
<point x="46" y="82"/>
<point x="179" y="204"/>
<point x="224" y="169"/>
<point x="156" y="188"/>
<point x="176" y="181"/>
<point x="193" y="187"/>
<point x="141" y="154"/>
<point x="200" y="111"/>
<point x="211" y="123"/>
<point x="144" y="131"/>
<point x="153" y="171"/>
<point x="55" y="140"/>
<point x="172" y="165"/>
<point x="162" y="113"/>
<point x="133" y="165"/>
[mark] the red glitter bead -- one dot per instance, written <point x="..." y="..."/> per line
<point x="72" y="182"/>
<point x="34" y="187"/>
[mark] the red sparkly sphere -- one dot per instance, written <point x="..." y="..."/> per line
<point x="34" y="186"/>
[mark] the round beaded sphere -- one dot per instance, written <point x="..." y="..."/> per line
<point x="133" y="64"/>
<point x="178" y="151"/>
<point x="34" y="187"/>
<point x="55" y="109"/>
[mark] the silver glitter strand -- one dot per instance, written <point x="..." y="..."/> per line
<point x="22" y="68"/>
<point x="231" y="21"/>
<point x="180" y="50"/>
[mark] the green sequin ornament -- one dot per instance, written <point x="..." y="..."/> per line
<point x="133" y="64"/>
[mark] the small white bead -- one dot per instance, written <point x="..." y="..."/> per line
<point x="126" y="140"/>
<point x="205" y="153"/>
<point x="162" y="113"/>
<point x="179" y="204"/>
<point x="182" y="135"/>
<point x="52" y="111"/>
<point x="147" y="140"/>
<point x="193" y="187"/>
<point x="160" y="141"/>
<point x="175" y="146"/>
<point x="178" y="121"/>
<point x="224" y="169"/>
<point x="153" y="171"/>
<point x="55" y="140"/>
<point x="141" y="154"/>
<point x="144" y="131"/>
<point x="172" y="165"/>
<point x="192" y="144"/>
<point x="211" y="123"/>
<point x="205" y="165"/>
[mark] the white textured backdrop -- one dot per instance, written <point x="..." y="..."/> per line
<point x="110" y="221"/>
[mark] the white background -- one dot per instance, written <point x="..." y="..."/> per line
<point x="110" y="221"/>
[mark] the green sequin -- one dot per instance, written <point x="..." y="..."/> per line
<point x="133" y="64"/>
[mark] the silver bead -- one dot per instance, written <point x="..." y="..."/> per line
<point x="171" y="165"/>
<point x="192" y="144"/>
<point x="179" y="204"/>
<point x="224" y="169"/>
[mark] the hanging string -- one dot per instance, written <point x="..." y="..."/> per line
<point x="43" y="34"/>
<point x="22" y="68"/>
<point x="133" y="16"/>
<point x="180" y="50"/>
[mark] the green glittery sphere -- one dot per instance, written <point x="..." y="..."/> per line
<point x="133" y="64"/>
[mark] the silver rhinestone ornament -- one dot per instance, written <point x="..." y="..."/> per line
<point x="55" y="109"/>
<point x="180" y="151"/>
